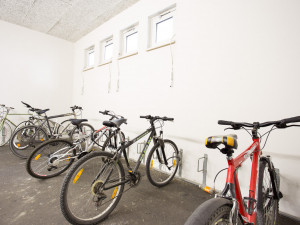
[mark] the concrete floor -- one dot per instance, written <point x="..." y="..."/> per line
<point x="28" y="201"/>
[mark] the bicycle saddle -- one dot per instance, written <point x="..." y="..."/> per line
<point x="76" y="122"/>
<point x="41" y="111"/>
<point x="114" y="123"/>
<point x="230" y="141"/>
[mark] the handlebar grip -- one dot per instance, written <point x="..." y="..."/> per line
<point x="168" y="119"/>
<point x="224" y="122"/>
<point x="291" y="120"/>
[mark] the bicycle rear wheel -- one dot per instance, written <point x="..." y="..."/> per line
<point x="214" y="211"/>
<point x="26" y="139"/>
<point x="83" y="197"/>
<point x="51" y="159"/>
<point x="85" y="129"/>
<point x="158" y="172"/>
<point x="5" y="134"/>
<point x="267" y="205"/>
<point x="65" y="128"/>
<point x="113" y="142"/>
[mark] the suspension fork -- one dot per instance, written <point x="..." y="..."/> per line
<point x="161" y="143"/>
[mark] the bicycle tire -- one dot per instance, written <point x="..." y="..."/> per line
<point x="267" y="214"/>
<point x="158" y="173"/>
<point x="212" y="212"/>
<point x="86" y="129"/>
<point x="5" y="134"/>
<point x="22" y="143"/>
<point x="45" y="162"/>
<point x="81" y="175"/>
<point x="112" y="143"/>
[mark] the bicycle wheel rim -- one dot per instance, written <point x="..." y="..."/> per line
<point x="160" y="173"/>
<point x="50" y="159"/>
<point x="26" y="139"/>
<point x="77" y="193"/>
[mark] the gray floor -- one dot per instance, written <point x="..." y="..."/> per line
<point x="28" y="201"/>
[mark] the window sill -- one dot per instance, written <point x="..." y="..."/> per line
<point x="160" y="46"/>
<point x="103" y="64"/>
<point x="126" y="56"/>
<point x="88" y="68"/>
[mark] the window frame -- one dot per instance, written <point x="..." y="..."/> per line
<point x="156" y="19"/>
<point x="103" y="44"/>
<point x="125" y="33"/>
<point x="87" y="64"/>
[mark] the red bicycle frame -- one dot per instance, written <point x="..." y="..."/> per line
<point x="232" y="181"/>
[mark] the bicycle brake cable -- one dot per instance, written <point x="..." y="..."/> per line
<point x="268" y="132"/>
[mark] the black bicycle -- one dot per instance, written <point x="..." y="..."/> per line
<point x="27" y="138"/>
<point x="94" y="185"/>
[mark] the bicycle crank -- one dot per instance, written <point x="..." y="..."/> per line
<point x="135" y="179"/>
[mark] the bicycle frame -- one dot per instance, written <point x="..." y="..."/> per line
<point x="122" y="148"/>
<point x="61" y="157"/>
<point x="232" y="182"/>
<point x="13" y="114"/>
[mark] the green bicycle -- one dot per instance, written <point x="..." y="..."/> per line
<point x="6" y="124"/>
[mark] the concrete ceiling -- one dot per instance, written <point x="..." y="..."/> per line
<point x="66" y="19"/>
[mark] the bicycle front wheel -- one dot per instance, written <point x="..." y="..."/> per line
<point x="26" y="139"/>
<point x="5" y="134"/>
<point x="91" y="189"/>
<point x="162" y="164"/>
<point x="267" y="205"/>
<point x="50" y="159"/>
<point x="214" y="211"/>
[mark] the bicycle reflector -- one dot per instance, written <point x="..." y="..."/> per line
<point x="77" y="176"/>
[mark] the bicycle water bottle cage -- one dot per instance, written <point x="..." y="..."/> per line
<point x="229" y="141"/>
<point x="115" y="123"/>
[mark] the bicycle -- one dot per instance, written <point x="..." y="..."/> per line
<point x="55" y="156"/>
<point x="63" y="128"/>
<point x="5" y="128"/>
<point x="97" y="180"/>
<point x="261" y="206"/>
<point x="27" y="138"/>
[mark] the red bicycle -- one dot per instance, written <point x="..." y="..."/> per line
<point x="229" y="207"/>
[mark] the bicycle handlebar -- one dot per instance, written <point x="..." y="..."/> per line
<point x="110" y="113"/>
<point x="149" y="117"/>
<point x="278" y="123"/>
<point x="76" y="107"/>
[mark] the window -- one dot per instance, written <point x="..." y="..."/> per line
<point x="89" y="57"/>
<point x="162" y="27"/>
<point x="107" y="49"/>
<point x="129" y="40"/>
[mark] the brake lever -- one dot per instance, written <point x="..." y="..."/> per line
<point x="291" y="126"/>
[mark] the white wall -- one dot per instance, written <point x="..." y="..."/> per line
<point x="35" y="68"/>
<point x="233" y="60"/>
